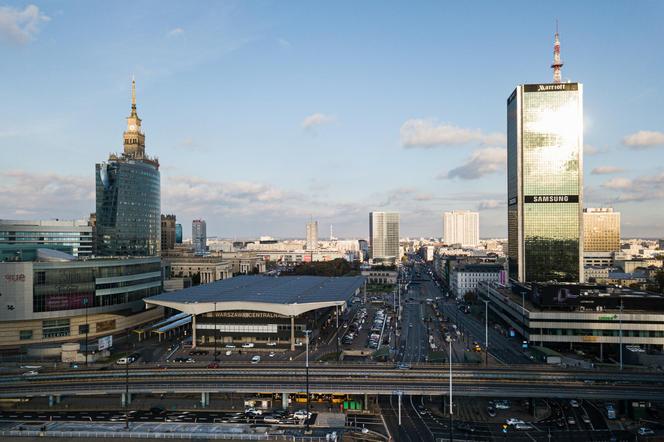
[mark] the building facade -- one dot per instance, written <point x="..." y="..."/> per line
<point x="19" y="240"/>
<point x="128" y="197"/>
<point x="312" y="235"/>
<point x="466" y="277"/>
<point x="545" y="182"/>
<point x="601" y="230"/>
<point x="461" y="227"/>
<point x="46" y="302"/>
<point x="167" y="232"/>
<point x="384" y="236"/>
<point x="199" y="236"/>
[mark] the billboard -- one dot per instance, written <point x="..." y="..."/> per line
<point x="105" y="342"/>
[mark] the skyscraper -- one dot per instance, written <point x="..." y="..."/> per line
<point x="312" y="235"/>
<point x="384" y="236"/>
<point x="128" y="196"/>
<point x="178" y="233"/>
<point x="167" y="232"/>
<point x="461" y="227"/>
<point x="545" y="179"/>
<point x="199" y="236"/>
<point x="601" y="230"/>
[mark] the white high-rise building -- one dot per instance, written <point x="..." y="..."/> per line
<point x="461" y="227"/>
<point x="384" y="236"/>
<point x="312" y="235"/>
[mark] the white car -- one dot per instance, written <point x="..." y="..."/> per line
<point x="229" y="346"/>
<point x="256" y="359"/>
<point x="271" y="344"/>
<point x="254" y="411"/>
<point x="248" y="345"/>
<point x="523" y="427"/>
<point x="30" y="373"/>
<point x="271" y="354"/>
<point x="301" y="414"/>
<point x="514" y="421"/>
<point x="645" y="431"/>
<point x="228" y="352"/>
<point x="574" y="403"/>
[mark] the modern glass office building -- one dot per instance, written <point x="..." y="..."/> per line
<point x="545" y="182"/>
<point x="178" y="233"/>
<point x="19" y="240"/>
<point x="129" y="197"/>
<point x="384" y="236"/>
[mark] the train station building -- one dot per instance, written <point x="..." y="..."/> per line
<point x="266" y="311"/>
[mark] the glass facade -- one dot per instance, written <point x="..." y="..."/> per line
<point x="19" y="240"/>
<point x="178" y="233"/>
<point x="545" y="139"/>
<point x="128" y="208"/>
<point x="601" y="230"/>
<point x="58" y="289"/>
<point x="384" y="235"/>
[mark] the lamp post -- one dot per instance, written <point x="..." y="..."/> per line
<point x="126" y="401"/>
<point x="486" y="332"/>
<point x="216" y="333"/>
<point x="306" y="332"/>
<point x="451" y="407"/>
<point x="621" y="333"/>
<point x="87" y="329"/>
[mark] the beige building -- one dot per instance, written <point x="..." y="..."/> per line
<point x="601" y="230"/>
<point x="167" y="232"/>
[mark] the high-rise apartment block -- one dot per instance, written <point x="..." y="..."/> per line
<point x="312" y="235"/>
<point x="384" y="236"/>
<point x="167" y="232"/>
<point x="128" y="200"/>
<point x="461" y="227"/>
<point x="545" y="180"/>
<point x="601" y="230"/>
<point x="199" y="236"/>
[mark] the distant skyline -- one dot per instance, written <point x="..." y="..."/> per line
<point x="264" y="114"/>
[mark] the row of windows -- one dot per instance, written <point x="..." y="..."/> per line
<point x="615" y="333"/>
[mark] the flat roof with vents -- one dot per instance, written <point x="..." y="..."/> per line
<point x="285" y="295"/>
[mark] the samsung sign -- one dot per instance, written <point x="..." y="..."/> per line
<point x="528" y="199"/>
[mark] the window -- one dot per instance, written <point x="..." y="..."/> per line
<point x="25" y="335"/>
<point x="40" y="278"/>
<point x="54" y="328"/>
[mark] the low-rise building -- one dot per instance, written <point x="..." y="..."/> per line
<point x="380" y="276"/>
<point x="465" y="278"/>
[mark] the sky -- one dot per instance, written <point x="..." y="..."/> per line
<point x="266" y="113"/>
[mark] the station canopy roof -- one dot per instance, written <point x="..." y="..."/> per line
<point x="285" y="295"/>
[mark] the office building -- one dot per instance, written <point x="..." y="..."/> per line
<point x="545" y="180"/>
<point x="199" y="236"/>
<point x="601" y="230"/>
<point x="384" y="236"/>
<point x="167" y="232"/>
<point x="128" y="200"/>
<point x="312" y="235"/>
<point x="461" y="227"/>
<point x="45" y="301"/>
<point x="19" y="240"/>
<point x="465" y="278"/>
<point x="178" y="233"/>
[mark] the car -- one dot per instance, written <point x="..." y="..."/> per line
<point x="123" y="361"/>
<point x="299" y="344"/>
<point x="403" y="366"/>
<point x="645" y="431"/>
<point x="514" y="421"/>
<point x="254" y="411"/>
<point x="271" y="344"/>
<point x="213" y="365"/>
<point x="271" y="419"/>
<point x="491" y="411"/>
<point x="585" y="419"/>
<point x="157" y="410"/>
<point x="271" y="354"/>
<point x="421" y="410"/>
<point x="256" y="359"/>
<point x="410" y="325"/>
<point x="229" y="346"/>
<point x="301" y="414"/>
<point x="248" y="345"/>
<point x="502" y="405"/>
<point x="228" y="352"/>
<point x="571" y="420"/>
<point x="523" y="427"/>
<point x="31" y="373"/>
<point x="574" y="403"/>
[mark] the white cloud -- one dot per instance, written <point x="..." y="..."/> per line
<point x="490" y="204"/>
<point x="482" y="162"/>
<point x="284" y="43"/>
<point x="618" y="183"/>
<point x="606" y="170"/>
<point x="589" y="149"/>
<point x="20" y="26"/>
<point x="429" y="133"/>
<point x="316" y="120"/>
<point x="175" y="32"/>
<point x="644" y="139"/>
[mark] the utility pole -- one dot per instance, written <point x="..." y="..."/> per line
<point x="451" y="406"/>
<point x="621" y="333"/>
<point x="216" y="332"/>
<point x="126" y="401"/>
<point x="87" y="329"/>
<point x="486" y="332"/>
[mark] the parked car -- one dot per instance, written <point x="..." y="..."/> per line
<point x="301" y="414"/>
<point x="248" y="345"/>
<point x="271" y="344"/>
<point x="229" y="346"/>
<point x="571" y="420"/>
<point x="645" y="431"/>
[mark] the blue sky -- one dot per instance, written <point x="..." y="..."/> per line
<point x="264" y="113"/>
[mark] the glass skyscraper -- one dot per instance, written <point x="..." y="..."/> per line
<point x="128" y="191"/>
<point x="545" y="182"/>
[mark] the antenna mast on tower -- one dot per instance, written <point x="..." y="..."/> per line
<point x="557" y="64"/>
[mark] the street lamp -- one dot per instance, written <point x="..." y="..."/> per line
<point x="486" y="331"/>
<point x="87" y="329"/>
<point x="126" y="401"/>
<point x="451" y="408"/>
<point x="216" y="332"/>
<point x="307" y="332"/>
<point x="621" y="333"/>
